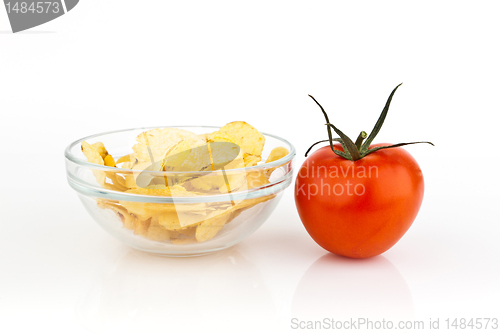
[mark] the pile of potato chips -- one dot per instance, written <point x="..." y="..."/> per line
<point x="165" y="162"/>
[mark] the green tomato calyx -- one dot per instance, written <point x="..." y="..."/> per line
<point x="357" y="150"/>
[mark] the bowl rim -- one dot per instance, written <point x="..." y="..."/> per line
<point x="69" y="156"/>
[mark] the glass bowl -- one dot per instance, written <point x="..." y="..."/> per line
<point x="163" y="220"/>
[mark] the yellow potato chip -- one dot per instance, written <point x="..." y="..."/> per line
<point x="126" y="165"/>
<point x="144" y="176"/>
<point x="183" y="236"/>
<point x="207" y="229"/>
<point x="226" y="155"/>
<point x="251" y="160"/>
<point x="183" y="156"/>
<point x="183" y="241"/>
<point x="99" y="146"/>
<point x="109" y="161"/>
<point x="120" y="180"/>
<point x="113" y="187"/>
<point x="168" y="220"/>
<point x="117" y="181"/>
<point x="145" y="210"/>
<point x="220" y="181"/>
<point x="141" y="227"/>
<point x="177" y="220"/>
<point x="157" y="232"/>
<point x="204" y="137"/>
<point x="127" y="219"/>
<point x="188" y="156"/>
<point x="162" y="191"/>
<point x="248" y="203"/>
<point x="256" y="178"/>
<point x="224" y="179"/>
<point x="154" y="144"/>
<point x="130" y="181"/>
<point x="244" y="135"/>
<point x="187" y="232"/>
<point x="97" y="153"/>
<point x="276" y="154"/>
<point x="125" y="158"/>
<point x="93" y="156"/>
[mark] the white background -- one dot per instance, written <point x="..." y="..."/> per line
<point x="116" y="64"/>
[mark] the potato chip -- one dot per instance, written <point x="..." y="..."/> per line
<point x="187" y="232"/>
<point x="141" y="227"/>
<point x="188" y="156"/>
<point x="125" y="158"/>
<point x="145" y="210"/>
<point x="204" y="137"/>
<point x="183" y="236"/>
<point x="207" y="229"/>
<point x="251" y="160"/>
<point x="154" y="144"/>
<point x="145" y="173"/>
<point x="120" y="180"/>
<point x="168" y="220"/>
<point x="97" y="153"/>
<point x="256" y="178"/>
<point x="130" y="181"/>
<point x="99" y="146"/>
<point x="219" y="181"/>
<point x="244" y="135"/>
<point x="109" y="161"/>
<point x="183" y="241"/>
<point x="162" y="191"/>
<point x="93" y="156"/>
<point x="183" y="156"/>
<point x="127" y="219"/>
<point x="225" y="157"/>
<point x="113" y="187"/>
<point x="248" y="203"/>
<point x="177" y="220"/>
<point x="157" y="232"/>
<point x="276" y="154"/>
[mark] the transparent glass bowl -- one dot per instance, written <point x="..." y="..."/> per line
<point x="177" y="223"/>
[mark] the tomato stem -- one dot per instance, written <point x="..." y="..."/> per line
<point x="357" y="150"/>
<point x="380" y="120"/>
<point x="314" y="144"/>
<point x="351" y="147"/>
<point x="360" y="139"/>
<point x="393" y="146"/>
<point x="330" y="139"/>
<point x="327" y="121"/>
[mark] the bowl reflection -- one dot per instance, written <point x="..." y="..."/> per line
<point x="146" y="292"/>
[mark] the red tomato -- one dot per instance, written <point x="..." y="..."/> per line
<point x="360" y="208"/>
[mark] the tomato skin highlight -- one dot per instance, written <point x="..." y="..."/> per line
<point x="358" y="209"/>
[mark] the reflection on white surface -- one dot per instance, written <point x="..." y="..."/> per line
<point x="338" y="287"/>
<point x="145" y="292"/>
